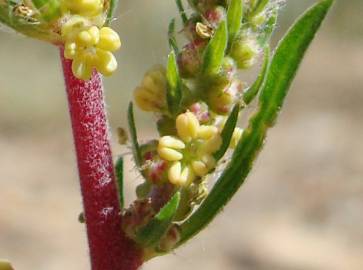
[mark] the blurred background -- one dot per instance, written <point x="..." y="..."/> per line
<point x="301" y="208"/>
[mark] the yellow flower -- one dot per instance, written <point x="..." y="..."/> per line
<point x="151" y="94"/>
<point x="89" y="47"/>
<point x="190" y="153"/>
<point x="84" y="7"/>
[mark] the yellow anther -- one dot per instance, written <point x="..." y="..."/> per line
<point x="109" y="40"/>
<point x="70" y="50"/>
<point x="169" y="141"/>
<point x="192" y="153"/>
<point x="200" y="168"/>
<point x="85" y="45"/>
<point x="174" y="173"/>
<point x="237" y="135"/>
<point x="211" y="145"/>
<point x="187" y="126"/>
<point x="206" y="132"/>
<point x="89" y="37"/>
<point x="169" y="154"/>
<point x="187" y="176"/>
<point x="81" y="68"/>
<point x="180" y="176"/>
<point x="106" y="62"/>
<point x="209" y="161"/>
<point x="150" y="95"/>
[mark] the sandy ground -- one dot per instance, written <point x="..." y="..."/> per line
<point x="301" y="208"/>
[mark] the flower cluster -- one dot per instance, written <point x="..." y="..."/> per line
<point x="191" y="128"/>
<point x="191" y="152"/>
<point x="86" y="41"/>
<point x="89" y="47"/>
<point x="78" y="25"/>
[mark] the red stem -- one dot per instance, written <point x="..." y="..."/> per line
<point x="109" y="247"/>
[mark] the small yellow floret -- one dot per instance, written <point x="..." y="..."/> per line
<point x="151" y="94"/>
<point x="187" y="126"/>
<point x="89" y="47"/>
<point x="191" y="156"/>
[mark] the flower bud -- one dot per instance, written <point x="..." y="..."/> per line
<point x="215" y="16"/>
<point x="245" y="51"/>
<point x="229" y="68"/>
<point x="151" y="94"/>
<point x="154" y="169"/>
<point x="200" y="110"/>
<point x="190" y="58"/>
<point x="221" y="99"/>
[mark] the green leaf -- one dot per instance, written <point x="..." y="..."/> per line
<point x="227" y="132"/>
<point x="150" y="234"/>
<point x="284" y="65"/>
<point x="133" y="133"/>
<point x="234" y="19"/>
<point x="268" y="29"/>
<point x="182" y="11"/>
<point x="215" y="51"/>
<point x="171" y="34"/>
<point x="111" y="11"/>
<point x="251" y="92"/>
<point x="119" y="168"/>
<point x="174" y="89"/>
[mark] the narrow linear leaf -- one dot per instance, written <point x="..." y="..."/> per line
<point x="182" y="11"/>
<point x="227" y="132"/>
<point x="252" y="92"/>
<point x="174" y="91"/>
<point x="119" y="168"/>
<point x="111" y="11"/>
<point x="215" y="51"/>
<point x="133" y="133"/>
<point x="151" y="233"/>
<point x="171" y="36"/>
<point x="234" y="18"/>
<point x="285" y="63"/>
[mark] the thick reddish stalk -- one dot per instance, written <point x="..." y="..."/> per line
<point x="109" y="248"/>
